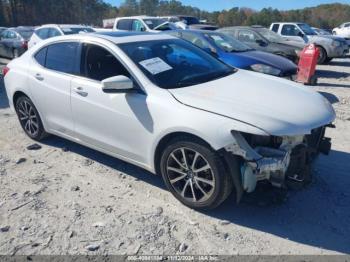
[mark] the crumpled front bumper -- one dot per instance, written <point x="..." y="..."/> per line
<point x="276" y="165"/>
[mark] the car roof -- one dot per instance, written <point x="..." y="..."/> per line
<point x="118" y="37"/>
<point x="289" y="23"/>
<point x="63" y="25"/>
<point x="195" y="31"/>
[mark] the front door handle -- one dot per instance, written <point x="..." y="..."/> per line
<point x="80" y="91"/>
<point x="39" y="77"/>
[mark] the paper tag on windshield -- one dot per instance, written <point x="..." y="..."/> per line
<point x="217" y="37"/>
<point x="155" y="65"/>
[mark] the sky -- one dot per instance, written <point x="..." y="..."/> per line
<point x="217" y="5"/>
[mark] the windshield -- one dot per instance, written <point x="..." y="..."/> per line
<point x="175" y="63"/>
<point x="307" y="29"/>
<point x="270" y="35"/>
<point x="154" y="22"/>
<point x="321" y="31"/>
<point x="76" y="30"/>
<point x="26" y="34"/>
<point x="227" y="43"/>
<point x="190" y="20"/>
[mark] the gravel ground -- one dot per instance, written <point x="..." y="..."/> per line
<point x="67" y="199"/>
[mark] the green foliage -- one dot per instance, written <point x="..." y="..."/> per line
<point x="36" y="12"/>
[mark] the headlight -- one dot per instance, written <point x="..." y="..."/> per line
<point x="336" y="43"/>
<point x="265" y="69"/>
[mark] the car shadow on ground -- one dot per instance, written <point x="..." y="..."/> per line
<point x="322" y="73"/>
<point x="340" y="63"/>
<point x="333" y="99"/>
<point x="318" y="215"/>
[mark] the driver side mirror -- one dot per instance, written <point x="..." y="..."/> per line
<point x="301" y="34"/>
<point x="117" y="84"/>
<point x="211" y="51"/>
<point x="261" y="42"/>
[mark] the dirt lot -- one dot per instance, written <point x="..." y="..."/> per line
<point x="68" y="199"/>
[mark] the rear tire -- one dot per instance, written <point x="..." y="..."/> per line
<point x="29" y="118"/>
<point x="195" y="174"/>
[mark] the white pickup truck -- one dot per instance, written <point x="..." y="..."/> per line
<point x="330" y="46"/>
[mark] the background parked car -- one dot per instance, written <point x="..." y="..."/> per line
<point x="2" y="29"/>
<point x="48" y="31"/>
<point x="237" y="54"/>
<point x="143" y="24"/>
<point x="191" y="22"/>
<point x="14" y="41"/>
<point x="343" y="30"/>
<point x="330" y="46"/>
<point x="263" y="39"/>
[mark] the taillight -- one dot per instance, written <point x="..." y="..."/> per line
<point x="5" y="70"/>
<point x="25" y="44"/>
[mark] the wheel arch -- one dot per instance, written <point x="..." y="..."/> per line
<point x="164" y="141"/>
<point x="229" y="163"/>
<point x="17" y="94"/>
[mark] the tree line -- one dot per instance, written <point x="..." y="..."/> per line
<point x="36" y="12"/>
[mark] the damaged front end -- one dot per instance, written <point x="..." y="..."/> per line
<point x="278" y="160"/>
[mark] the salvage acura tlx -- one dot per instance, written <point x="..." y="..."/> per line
<point x="167" y="106"/>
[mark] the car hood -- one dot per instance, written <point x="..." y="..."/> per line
<point x="258" y="57"/>
<point x="277" y="106"/>
<point x="292" y="45"/>
<point x="325" y="37"/>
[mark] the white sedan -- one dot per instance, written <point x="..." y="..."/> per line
<point x="343" y="30"/>
<point x="167" y="106"/>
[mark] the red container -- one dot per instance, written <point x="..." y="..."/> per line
<point x="307" y="65"/>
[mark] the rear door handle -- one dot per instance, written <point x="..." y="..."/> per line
<point x="80" y="91"/>
<point x="39" y="77"/>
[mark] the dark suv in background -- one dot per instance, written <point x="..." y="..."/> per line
<point x="263" y="39"/>
<point x="14" y="41"/>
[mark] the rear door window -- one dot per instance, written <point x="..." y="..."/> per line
<point x="124" y="24"/>
<point x="40" y="56"/>
<point x="62" y="57"/>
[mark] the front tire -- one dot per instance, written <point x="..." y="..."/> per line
<point x="323" y="56"/>
<point x="195" y="174"/>
<point x="29" y="118"/>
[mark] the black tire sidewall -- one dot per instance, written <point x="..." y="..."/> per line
<point x="41" y="133"/>
<point x="218" y="172"/>
<point x="323" y="54"/>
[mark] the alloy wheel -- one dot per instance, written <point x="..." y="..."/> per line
<point x="28" y="118"/>
<point x="190" y="174"/>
